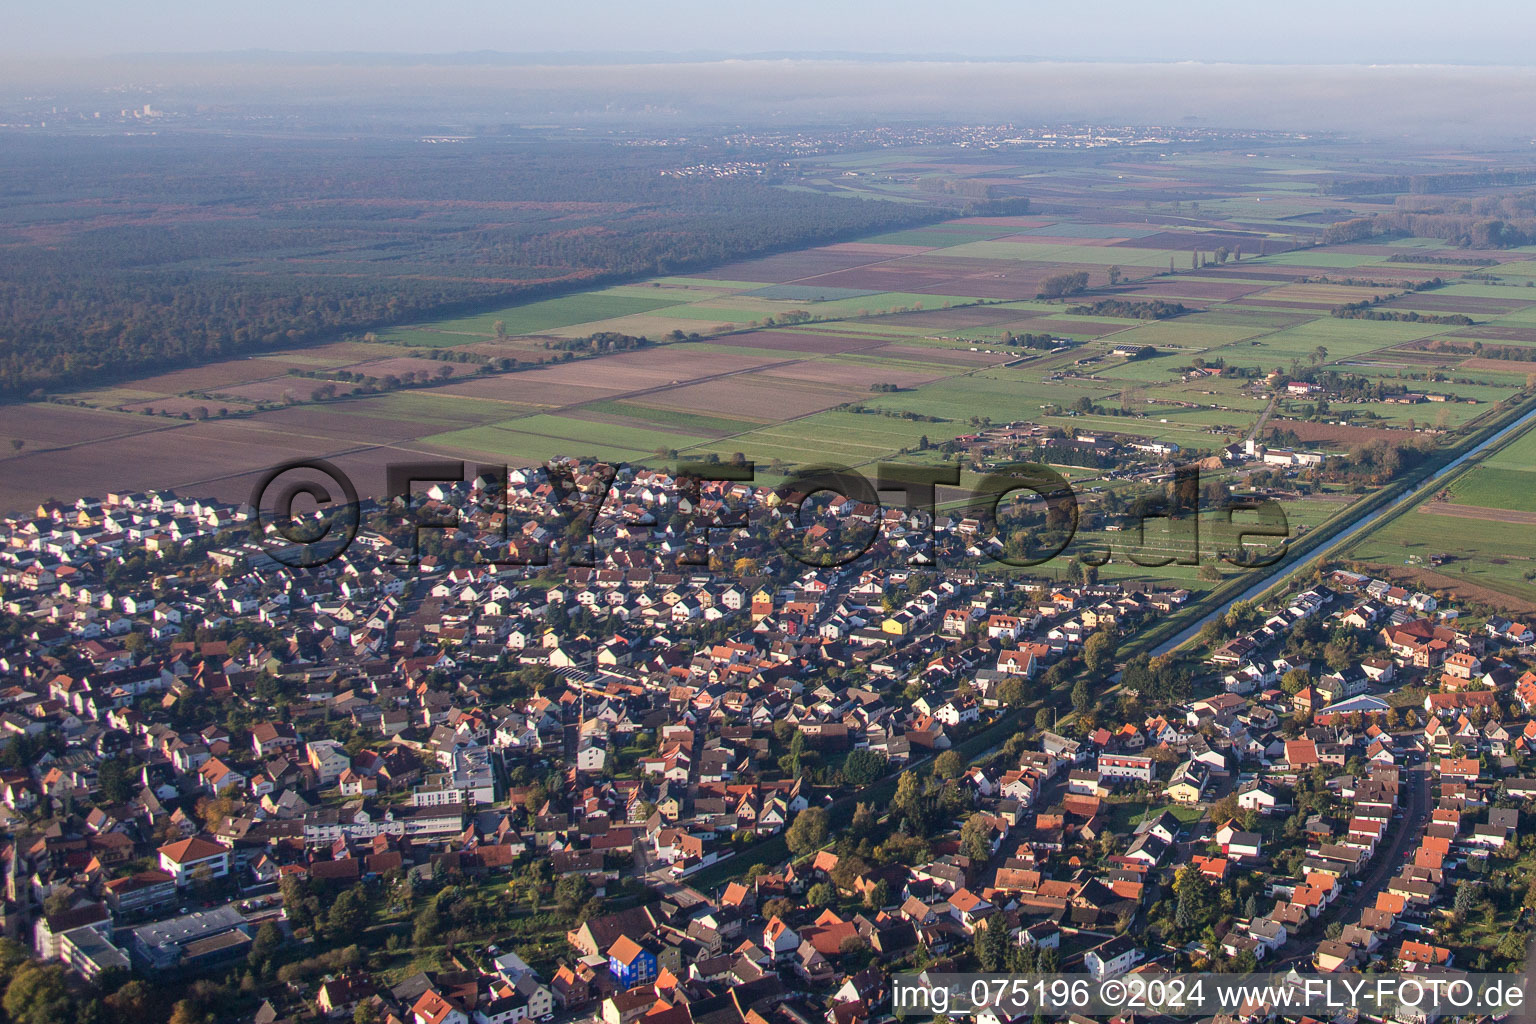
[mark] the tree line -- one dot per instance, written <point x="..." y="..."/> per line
<point x="1156" y="309"/>
<point x="1484" y="222"/>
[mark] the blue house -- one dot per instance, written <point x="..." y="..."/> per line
<point x="631" y="963"/>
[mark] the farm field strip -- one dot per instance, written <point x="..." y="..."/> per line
<point x="773" y="393"/>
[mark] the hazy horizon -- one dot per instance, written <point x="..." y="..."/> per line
<point x="1432" y="103"/>
<point x="1298" y="32"/>
<point x="1377" y="70"/>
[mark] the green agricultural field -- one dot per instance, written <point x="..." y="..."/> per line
<point x="858" y="328"/>
<point x="423" y="337"/>
<point x="880" y="301"/>
<point x="892" y="363"/>
<point x="1158" y="369"/>
<point x="1437" y="414"/>
<point x="1513" y="293"/>
<point x="1485" y="394"/>
<point x="684" y="422"/>
<point x="1510" y="380"/>
<point x="107" y="398"/>
<point x="1342" y="338"/>
<point x="534" y="317"/>
<point x="985" y="394"/>
<point x="585" y="432"/>
<point x="1212" y="392"/>
<point x="1252" y="320"/>
<point x="1205" y="417"/>
<point x="1062" y="229"/>
<point x="843" y="437"/>
<point x="1196" y="333"/>
<point x="649" y="290"/>
<point x="1322" y="258"/>
<point x="1030" y="306"/>
<point x="868" y="303"/>
<point x="516" y="448"/>
<point x="537" y="438"/>
<point x="714" y="314"/>
<point x="1163" y="426"/>
<point x="1519" y="454"/>
<point x="1419" y="243"/>
<point x="1497" y="555"/>
<point x="1491" y="487"/>
<point x="708" y="284"/>
<point x="940" y="237"/>
<point x="1047" y="252"/>
<point x="1525" y="317"/>
<point x="704" y="347"/>
<point x="426" y="408"/>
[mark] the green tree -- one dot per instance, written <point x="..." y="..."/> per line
<point x="427" y="928"/>
<point x="348" y="915"/>
<point x="571" y="891"/>
<point x="1196" y="900"/>
<point x="1513" y="945"/>
<point x="266" y="943"/>
<point x="807" y="832"/>
<point x="12" y="955"/>
<point x="949" y="765"/>
<point x="1296" y="680"/>
<point x="299" y="902"/>
<point x="908" y="800"/>
<point x="1011" y="692"/>
<point x="58" y="902"/>
<point x="992" y="947"/>
<point x="39" y="994"/>
<point x="1082" y="696"/>
<point x="186" y="1011"/>
<point x="129" y="1004"/>
<point x="863" y="767"/>
<point x="1099" y="651"/>
<point x="116" y="783"/>
<point x="976" y="838"/>
<point x="1465" y="900"/>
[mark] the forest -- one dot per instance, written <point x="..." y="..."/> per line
<point x="1156" y="309"/>
<point x="1482" y="222"/>
<point x="1424" y="184"/>
<point x="119" y="256"/>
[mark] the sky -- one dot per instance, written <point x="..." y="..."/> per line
<point x="1405" y="69"/>
<point x="1278" y="31"/>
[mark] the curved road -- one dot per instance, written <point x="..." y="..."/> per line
<point x="1282" y="569"/>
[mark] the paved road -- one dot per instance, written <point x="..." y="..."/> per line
<point x="1258" y="427"/>
<point x="1403" y="833"/>
<point x="1528" y="1014"/>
